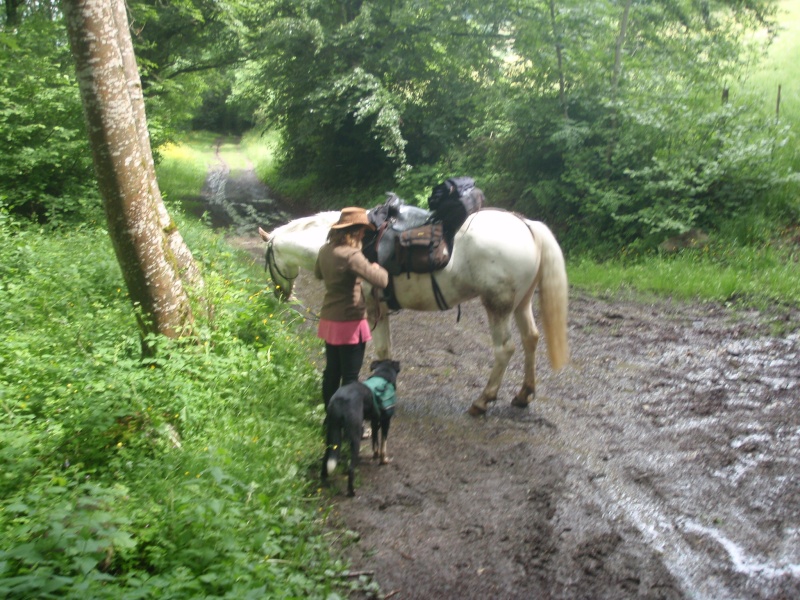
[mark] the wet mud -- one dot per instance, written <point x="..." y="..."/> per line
<point x="663" y="462"/>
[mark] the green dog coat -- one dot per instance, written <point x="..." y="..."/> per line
<point x="383" y="395"/>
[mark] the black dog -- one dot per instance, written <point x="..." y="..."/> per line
<point x="350" y="406"/>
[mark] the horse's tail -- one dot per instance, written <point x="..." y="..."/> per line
<point x="553" y="292"/>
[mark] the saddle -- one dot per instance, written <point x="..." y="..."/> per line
<point x="408" y="239"/>
<point x="402" y="235"/>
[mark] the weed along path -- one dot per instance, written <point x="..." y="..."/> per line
<point x="663" y="462"/>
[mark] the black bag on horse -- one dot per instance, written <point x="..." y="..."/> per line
<point x="453" y="200"/>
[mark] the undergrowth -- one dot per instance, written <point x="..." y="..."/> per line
<point x="747" y="275"/>
<point x="181" y="477"/>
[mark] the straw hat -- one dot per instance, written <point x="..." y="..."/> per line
<point x="352" y="216"/>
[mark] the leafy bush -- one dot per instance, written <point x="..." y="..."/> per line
<point x="178" y="477"/>
<point x="45" y="167"/>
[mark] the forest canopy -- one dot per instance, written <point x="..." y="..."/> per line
<point x="619" y="122"/>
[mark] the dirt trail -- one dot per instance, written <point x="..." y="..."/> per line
<point x="664" y="462"/>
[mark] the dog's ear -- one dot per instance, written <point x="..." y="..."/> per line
<point x="374" y="365"/>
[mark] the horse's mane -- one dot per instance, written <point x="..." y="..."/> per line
<point x="323" y="219"/>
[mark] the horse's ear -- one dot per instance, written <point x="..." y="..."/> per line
<point x="264" y="235"/>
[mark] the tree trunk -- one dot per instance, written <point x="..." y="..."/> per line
<point x="615" y="79"/>
<point x="623" y="31"/>
<point x="562" y="86"/>
<point x="12" y="14"/>
<point x="183" y="256"/>
<point x="121" y="163"/>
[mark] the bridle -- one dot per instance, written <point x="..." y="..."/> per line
<point x="272" y="265"/>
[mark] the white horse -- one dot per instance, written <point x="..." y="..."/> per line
<point x="497" y="256"/>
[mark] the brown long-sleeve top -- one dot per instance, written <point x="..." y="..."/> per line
<point x="342" y="268"/>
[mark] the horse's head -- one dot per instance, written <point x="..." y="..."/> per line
<point x="282" y="273"/>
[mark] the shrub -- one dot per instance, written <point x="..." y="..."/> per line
<point x="177" y="477"/>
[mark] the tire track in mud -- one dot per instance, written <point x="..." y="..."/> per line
<point x="666" y="481"/>
<point x="626" y="497"/>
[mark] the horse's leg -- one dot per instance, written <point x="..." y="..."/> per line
<point x="529" y="335"/>
<point x="503" y="349"/>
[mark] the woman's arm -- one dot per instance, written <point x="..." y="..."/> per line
<point x="372" y="272"/>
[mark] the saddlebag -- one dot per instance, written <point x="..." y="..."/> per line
<point x="422" y="249"/>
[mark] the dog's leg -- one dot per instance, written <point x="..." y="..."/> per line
<point x="354" y="433"/>
<point x="384" y="453"/>
<point x="325" y="467"/>
<point x="375" y="437"/>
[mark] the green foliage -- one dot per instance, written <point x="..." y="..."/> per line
<point x="178" y="477"/>
<point x="615" y="149"/>
<point x="744" y="273"/>
<point x="361" y="91"/>
<point x="183" y="50"/>
<point x="615" y="139"/>
<point x="46" y="168"/>
<point x="710" y="166"/>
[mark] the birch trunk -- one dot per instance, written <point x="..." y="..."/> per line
<point x="126" y="184"/>
<point x="183" y="256"/>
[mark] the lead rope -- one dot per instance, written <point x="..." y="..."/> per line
<point x="376" y="298"/>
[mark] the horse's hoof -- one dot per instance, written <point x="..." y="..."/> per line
<point x="520" y="403"/>
<point x="476" y="411"/>
<point x="385" y="460"/>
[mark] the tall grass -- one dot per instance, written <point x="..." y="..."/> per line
<point x="781" y="68"/>
<point x="773" y="87"/>
<point x="743" y="274"/>
<point x="181" y="477"/>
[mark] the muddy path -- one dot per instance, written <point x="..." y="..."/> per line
<point x="663" y="462"/>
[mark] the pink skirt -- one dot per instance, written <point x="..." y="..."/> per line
<point x="341" y="333"/>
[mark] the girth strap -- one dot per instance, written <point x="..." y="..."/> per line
<point x="439" y="296"/>
<point x="391" y="299"/>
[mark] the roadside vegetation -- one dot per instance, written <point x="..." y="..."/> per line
<point x="752" y="255"/>
<point x="182" y="476"/>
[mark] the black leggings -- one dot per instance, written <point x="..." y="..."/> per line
<point x="342" y="366"/>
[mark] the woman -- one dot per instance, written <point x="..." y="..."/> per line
<point x="343" y="318"/>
